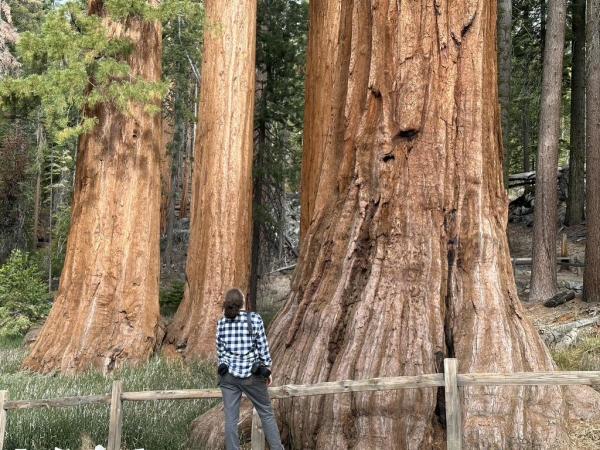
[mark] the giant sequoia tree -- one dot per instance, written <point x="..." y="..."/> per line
<point x="219" y="249"/>
<point x="407" y="261"/>
<point x="106" y="311"/>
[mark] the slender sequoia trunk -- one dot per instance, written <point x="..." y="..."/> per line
<point x="106" y="310"/>
<point x="221" y="219"/>
<point x="576" y="196"/>
<point x="591" y="276"/>
<point x="543" y="271"/>
<point x="504" y="70"/>
<point x="407" y="262"/>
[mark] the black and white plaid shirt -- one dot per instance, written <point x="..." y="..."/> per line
<point x="237" y="349"/>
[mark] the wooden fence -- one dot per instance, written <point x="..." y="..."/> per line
<point x="450" y="380"/>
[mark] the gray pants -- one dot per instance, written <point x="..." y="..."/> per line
<point x="255" y="389"/>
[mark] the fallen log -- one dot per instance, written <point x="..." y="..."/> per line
<point x="559" y="299"/>
<point x="561" y="336"/>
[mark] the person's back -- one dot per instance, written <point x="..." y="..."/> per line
<point x="244" y="367"/>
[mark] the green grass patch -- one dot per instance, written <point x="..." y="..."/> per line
<point x="149" y="425"/>
<point x="583" y="356"/>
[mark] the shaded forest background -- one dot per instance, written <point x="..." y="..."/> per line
<point x="43" y="89"/>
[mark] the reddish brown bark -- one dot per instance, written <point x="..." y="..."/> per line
<point x="545" y="217"/>
<point x="221" y="219"/>
<point x="407" y="260"/>
<point x="106" y="310"/>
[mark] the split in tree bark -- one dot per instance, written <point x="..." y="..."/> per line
<point x="221" y="220"/>
<point x="407" y="260"/>
<point x="106" y="310"/>
<point x="543" y="272"/>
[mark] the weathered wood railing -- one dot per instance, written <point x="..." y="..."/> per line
<point x="450" y="380"/>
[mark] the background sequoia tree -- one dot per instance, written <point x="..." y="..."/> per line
<point x="221" y="222"/>
<point x="407" y="262"/>
<point x="106" y="310"/>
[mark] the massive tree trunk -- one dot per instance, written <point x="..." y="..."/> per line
<point x="221" y="219"/>
<point x="106" y="310"/>
<point x="504" y="69"/>
<point x="407" y="261"/>
<point x="576" y="196"/>
<point x="543" y="271"/>
<point x="591" y="276"/>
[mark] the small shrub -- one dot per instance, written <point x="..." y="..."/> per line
<point x="171" y="297"/>
<point x="24" y="298"/>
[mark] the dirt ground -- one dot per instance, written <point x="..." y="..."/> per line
<point x="569" y="278"/>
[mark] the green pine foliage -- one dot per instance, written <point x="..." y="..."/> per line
<point x="72" y="65"/>
<point x="24" y="298"/>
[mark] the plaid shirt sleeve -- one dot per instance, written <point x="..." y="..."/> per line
<point x="220" y="344"/>
<point x="261" y="343"/>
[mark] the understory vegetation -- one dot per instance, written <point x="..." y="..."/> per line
<point x="150" y="425"/>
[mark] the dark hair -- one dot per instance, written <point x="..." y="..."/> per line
<point x="234" y="300"/>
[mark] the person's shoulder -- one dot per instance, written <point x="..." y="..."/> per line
<point x="256" y="317"/>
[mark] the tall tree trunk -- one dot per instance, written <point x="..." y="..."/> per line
<point x="591" y="276"/>
<point x="176" y="168"/>
<point x="37" y="198"/>
<point x="543" y="271"/>
<point x="576" y="196"/>
<point x="327" y="48"/>
<point x="526" y="138"/>
<point x="166" y="173"/>
<point x="504" y="70"/>
<point x="106" y="310"/>
<point x="408" y="261"/>
<point x="221" y="219"/>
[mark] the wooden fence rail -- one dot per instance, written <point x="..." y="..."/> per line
<point x="450" y="380"/>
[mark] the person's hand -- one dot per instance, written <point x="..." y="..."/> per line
<point x="222" y="369"/>
<point x="269" y="381"/>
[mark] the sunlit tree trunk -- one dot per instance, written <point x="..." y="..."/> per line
<point x="221" y="219"/>
<point x="576" y="193"/>
<point x="543" y="271"/>
<point x="407" y="261"/>
<point x="106" y="310"/>
<point x="591" y="277"/>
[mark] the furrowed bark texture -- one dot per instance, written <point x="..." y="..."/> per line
<point x="407" y="261"/>
<point x="543" y="271"/>
<point x="591" y="276"/>
<point x="576" y="196"/>
<point x="221" y="219"/>
<point x="106" y="310"/>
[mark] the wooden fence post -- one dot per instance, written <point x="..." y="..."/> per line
<point x="115" y="425"/>
<point x="257" y="438"/>
<point x="3" y="417"/>
<point x="453" y="413"/>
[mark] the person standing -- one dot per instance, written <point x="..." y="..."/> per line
<point x="244" y="367"/>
